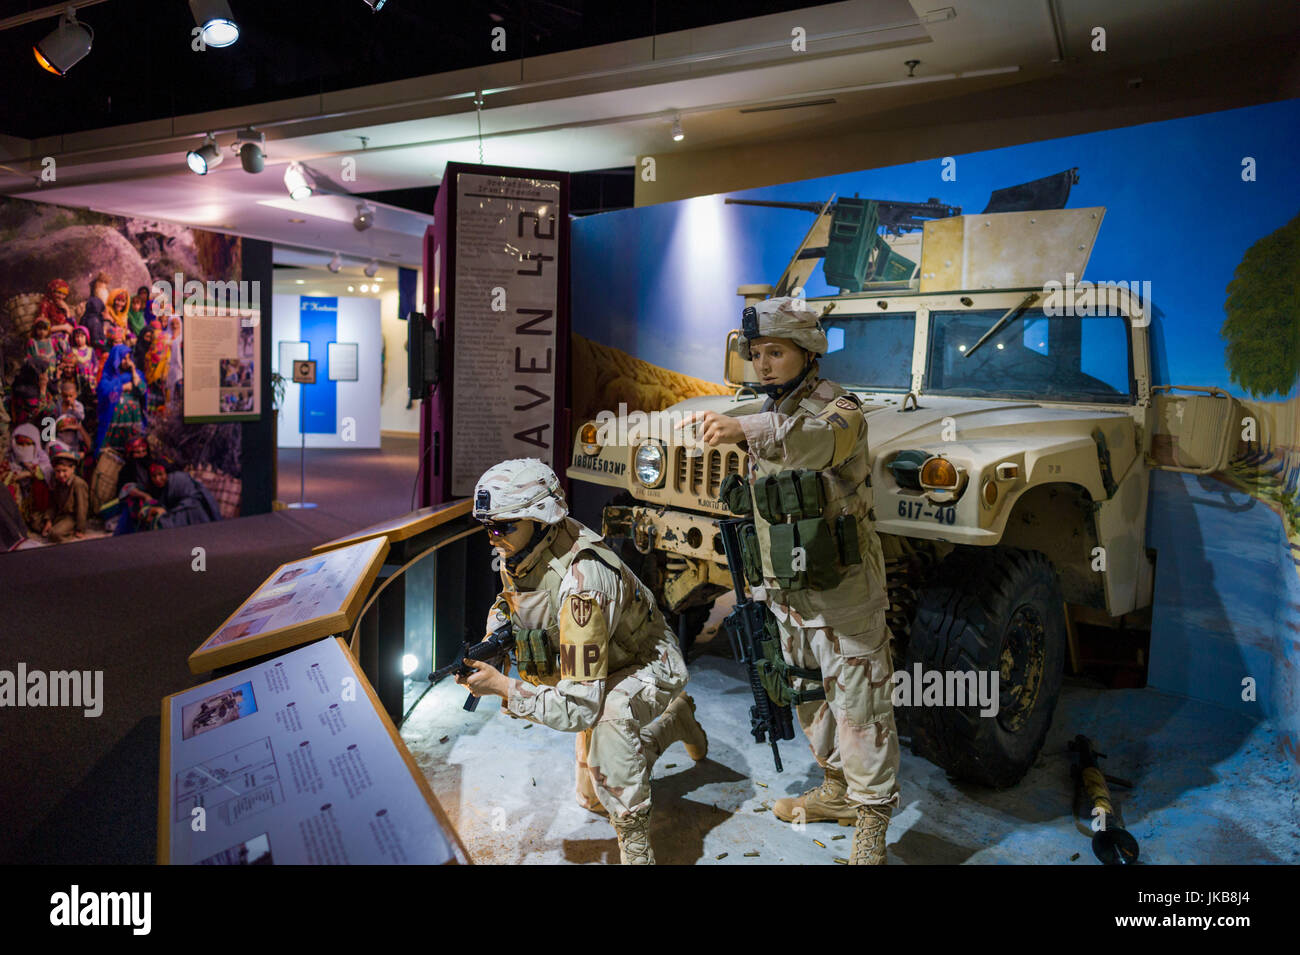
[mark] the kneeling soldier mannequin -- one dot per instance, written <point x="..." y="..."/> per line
<point x="594" y="653"/>
<point x="823" y="569"/>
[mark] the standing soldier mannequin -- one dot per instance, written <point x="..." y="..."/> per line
<point x="594" y="653"/>
<point x="823" y="568"/>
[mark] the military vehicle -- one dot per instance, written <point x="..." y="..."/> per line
<point x="1013" y="425"/>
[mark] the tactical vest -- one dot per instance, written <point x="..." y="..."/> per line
<point x="640" y="627"/>
<point x="812" y="527"/>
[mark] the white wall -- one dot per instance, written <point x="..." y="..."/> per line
<point x="358" y="321"/>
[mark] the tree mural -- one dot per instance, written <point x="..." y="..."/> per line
<point x="1263" y="308"/>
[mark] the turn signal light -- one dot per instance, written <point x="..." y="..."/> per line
<point x="989" y="492"/>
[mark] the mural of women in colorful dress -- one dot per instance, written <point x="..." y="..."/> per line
<point x="121" y="401"/>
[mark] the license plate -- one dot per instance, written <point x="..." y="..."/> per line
<point x="924" y="511"/>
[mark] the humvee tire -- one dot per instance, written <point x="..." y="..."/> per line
<point x="687" y="625"/>
<point x="990" y="609"/>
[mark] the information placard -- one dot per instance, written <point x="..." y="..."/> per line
<point x="222" y="350"/>
<point x="303" y="600"/>
<point x="507" y="294"/>
<point x="342" y="361"/>
<point x="293" y="761"/>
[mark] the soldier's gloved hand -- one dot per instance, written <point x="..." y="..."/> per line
<point x="486" y="680"/>
<point x="714" y="429"/>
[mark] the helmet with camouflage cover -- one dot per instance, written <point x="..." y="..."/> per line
<point x="519" y="489"/>
<point x="787" y="317"/>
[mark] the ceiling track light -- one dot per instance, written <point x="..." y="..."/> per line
<point x="251" y="146"/>
<point x="372" y="269"/>
<point x="206" y="158"/>
<point x="365" y="217"/>
<point x="335" y="264"/>
<point x="296" y="180"/>
<point x="66" y="45"/>
<point x="678" y="135"/>
<point x="216" y="22"/>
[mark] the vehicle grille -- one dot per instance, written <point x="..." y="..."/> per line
<point x="703" y="473"/>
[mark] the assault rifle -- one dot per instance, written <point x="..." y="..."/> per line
<point x="767" y="721"/>
<point x="1111" y="844"/>
<point x="498" y="643"/>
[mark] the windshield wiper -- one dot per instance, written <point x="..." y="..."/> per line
<point x="997" y="326"/>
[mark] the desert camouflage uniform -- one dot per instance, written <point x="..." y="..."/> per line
<point x="840" y="631"/>
<point x="583" y="595"/>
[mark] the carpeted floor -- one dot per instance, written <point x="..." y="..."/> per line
<point x="79" y="789"/>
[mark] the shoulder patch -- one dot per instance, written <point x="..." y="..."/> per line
<point x="584" y="639"/>
<point x="846" y="424"/>
<point x="581" y="608"/>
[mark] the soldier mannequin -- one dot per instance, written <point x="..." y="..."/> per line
<point x="808" y="422"/>
<point x="595" y="656"/>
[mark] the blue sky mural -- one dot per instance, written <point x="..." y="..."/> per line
<point x="659" y="282"/>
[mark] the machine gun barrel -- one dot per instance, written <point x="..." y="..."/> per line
<point x="892" y="215"/>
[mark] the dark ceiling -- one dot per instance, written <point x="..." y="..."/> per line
<point x="142" y="66"/>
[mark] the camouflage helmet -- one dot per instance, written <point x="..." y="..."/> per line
<point x="788" y="317"/>
<point x="523" y="488"/>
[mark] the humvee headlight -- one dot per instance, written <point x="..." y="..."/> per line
<point x="939" y="474"/>
<point x="587" y="438"/>
<point x="942" y="481"/>
<point x="649" y="464"/>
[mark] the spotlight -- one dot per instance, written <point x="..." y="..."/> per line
<point x="678" y="135"/>
<point x="336" y="264"/>
<point x="296" y="181"/>
<point x="252" y="149"/>
<point x="372" y="269"/>
<point x="375" y="5"/>
<point x="216" y="21"/>
<point x="365" y="217"/>
<point x="206" y="158"/>
<point x="66" y="45"/>
<point x="365" y="288"/>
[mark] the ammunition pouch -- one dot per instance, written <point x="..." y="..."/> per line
<point x="751" y="556"/>
<point x="735" y="495"/>
<point x="810" y="554"/>
<point x="792" y="493"/>
<point x="534" y="654"/>
<point x="775" y="674"/>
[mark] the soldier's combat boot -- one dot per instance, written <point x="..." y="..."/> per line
<point x="634" y="839"/>
<point x="688" y="729"/>
<point x="677" y="722"/>
<point x="869" y="835"/>
<point x="829" y="802"/>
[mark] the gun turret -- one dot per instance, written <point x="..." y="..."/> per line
<point x="895" y="217"/>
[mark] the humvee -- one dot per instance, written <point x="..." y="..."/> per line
<point x="1013" y="425"/>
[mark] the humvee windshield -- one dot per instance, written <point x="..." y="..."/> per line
<point x="1056" y="358"/>
<point x="869" y="351"/>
